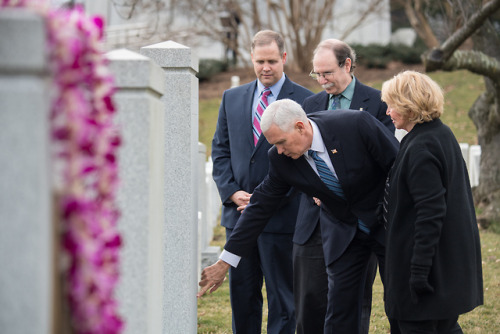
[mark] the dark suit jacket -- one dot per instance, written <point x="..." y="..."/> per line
<point x="364" y="98"/>
<point x="361" y="150"/>
<point x="237" y="163"/>
<point x="432" y="223"/>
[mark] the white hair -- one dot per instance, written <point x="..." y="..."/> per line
<point x="284" y="113"/>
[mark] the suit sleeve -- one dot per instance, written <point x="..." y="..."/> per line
<point x="265" y="200"/>
<point x="221" y="157"/>
<point x="428" y="194"/>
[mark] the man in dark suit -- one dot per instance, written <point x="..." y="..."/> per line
<point x="333" y="66"/>
<point x="359" y="152"/>
<point x="240" y="163"/>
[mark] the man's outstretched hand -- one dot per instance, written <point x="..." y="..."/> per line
<point x="212" y="277"/>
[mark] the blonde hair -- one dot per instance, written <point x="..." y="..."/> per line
<point x="415" y="96"/>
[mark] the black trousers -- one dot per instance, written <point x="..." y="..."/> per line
<point x="347" y="280"/>
<point x="271" y="261"/>
<point x="310" y="287"/>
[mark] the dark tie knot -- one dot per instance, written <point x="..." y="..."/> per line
<point x="334" y="102"/>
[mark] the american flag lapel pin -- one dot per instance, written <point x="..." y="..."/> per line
<point x="334" y="151"/>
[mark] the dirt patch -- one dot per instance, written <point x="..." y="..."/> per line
<point x="214" y="87"/>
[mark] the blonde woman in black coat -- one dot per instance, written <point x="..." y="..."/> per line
<point x="433" y="256"/>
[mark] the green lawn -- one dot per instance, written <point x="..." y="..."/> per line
<point x="461" y="89"/>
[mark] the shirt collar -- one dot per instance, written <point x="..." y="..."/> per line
<point x="348" y="92"/>
<point x="275" y="89"/>
<point x="317" y="141"/>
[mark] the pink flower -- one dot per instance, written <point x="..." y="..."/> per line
<point x="99" y="23"/>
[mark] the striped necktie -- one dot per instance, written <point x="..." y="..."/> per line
<point x="385" y="201"/>
<point x="261" y="106"/>
<point x="326" y="175"/>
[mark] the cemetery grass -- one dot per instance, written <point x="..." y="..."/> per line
<point x="214" y="310"/>
<point x="461" y="89"/>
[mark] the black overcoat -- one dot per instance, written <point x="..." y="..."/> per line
<point x="432" y="223"/>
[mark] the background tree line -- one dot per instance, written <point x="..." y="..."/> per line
<point x="458" y="34"/>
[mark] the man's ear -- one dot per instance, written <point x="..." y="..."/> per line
<point x="299" y="125"/>
<point x="348" y="64"/>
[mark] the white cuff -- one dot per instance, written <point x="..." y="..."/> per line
<point x="230" y="258"/>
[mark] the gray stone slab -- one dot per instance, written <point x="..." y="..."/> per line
<point x="180" y="243"/>
<point x="474" y="164"/>
<point x="140" y="116"/>
<point x="133" y="70"/>
<point x="22" y="41"/>
<point x="209" y="256"/>
<point x="171" y="55"/>
<point x="26" y="222"/>
<point x="464" y="148"/>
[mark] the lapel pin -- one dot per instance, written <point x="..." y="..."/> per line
<point x="334" y="151"/>
<point x="361" y="109"/>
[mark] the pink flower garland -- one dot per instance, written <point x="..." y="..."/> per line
<point x="86" y="140"/>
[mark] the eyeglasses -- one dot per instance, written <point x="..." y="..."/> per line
<point x="316" y="75"/>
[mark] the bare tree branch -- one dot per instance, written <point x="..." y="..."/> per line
<point x="475" y="62"/>
<point x="129" y="5"/>
<point x="373" y="7"/>
<point x="475" y="21"/>
<point x="301" y="23"/>
<point x="415" y="13"/>
<point x="438" y="57"/>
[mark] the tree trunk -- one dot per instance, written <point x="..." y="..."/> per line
<point x="485" y="113"/>
<point x="415" y="15"/>
<point x="484" y="60"/>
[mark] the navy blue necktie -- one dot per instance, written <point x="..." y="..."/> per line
<point x="326" y="175"/>
<point x="335" y="104"/>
